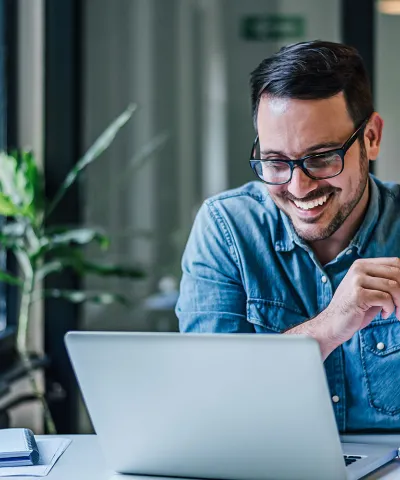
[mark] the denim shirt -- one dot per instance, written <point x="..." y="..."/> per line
<point x="246" y="270"/>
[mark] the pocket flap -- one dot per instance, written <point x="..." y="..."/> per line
<point x="273" y="315"/>
<point x="381" y="337"/>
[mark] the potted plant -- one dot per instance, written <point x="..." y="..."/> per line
<point x="39" y="250"/>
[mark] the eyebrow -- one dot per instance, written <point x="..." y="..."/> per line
<point x="313" y="148"/>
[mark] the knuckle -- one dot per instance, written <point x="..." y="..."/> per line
<point x="385" y="296"/>
<point x="357" y="281"/>
<point x="359" y="291"/>
<point x="358" y="261"/>
<point x="364" y="306"/>
<point x="357" y="268"/>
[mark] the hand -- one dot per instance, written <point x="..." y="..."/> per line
<point x="371" y="285"/>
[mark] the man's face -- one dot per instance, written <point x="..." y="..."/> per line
<point x="291" y="129"/>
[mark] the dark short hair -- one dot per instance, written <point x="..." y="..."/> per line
<point x="314" y="70"/>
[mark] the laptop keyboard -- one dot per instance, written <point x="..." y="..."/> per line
<point x="349" y="459"/>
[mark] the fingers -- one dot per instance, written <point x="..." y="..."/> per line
<point x="389" y="286"/>
<point x="383" y="271"/>
<point x="390" y="261"/>
<point x="386" y="271"/>
<point x="377" y="298"/>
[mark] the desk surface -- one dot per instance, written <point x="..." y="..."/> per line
<point x="83" y="460"/>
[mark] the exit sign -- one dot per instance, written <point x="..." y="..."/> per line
<point x="262" y="28"/>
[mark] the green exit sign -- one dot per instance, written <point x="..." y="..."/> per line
<point x="272" y="27"/>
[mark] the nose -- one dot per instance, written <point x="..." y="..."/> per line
<point x="301" y="185"/>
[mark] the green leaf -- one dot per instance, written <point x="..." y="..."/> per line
<point x="99" y="146"/>
<point x="78" y="296"/>
<point x="11" y="279"/>
<point x="8" y="180"/>
<point x="70" y="238"/>
<point x="79" y="236"/>
<point x="74" y="259"/>
<point x="111" y="270"/>
<point x="143" y="155"/>
<point x="50" y="267"/>
<point x="15" y="185"/>
<point x="35" y="180"/>
<point x="7" y="207"/>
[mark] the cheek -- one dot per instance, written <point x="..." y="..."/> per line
<point x="352" y="172"/>
<point x="348" y="180"/>
<point x="276" y="190"/>
<point x="346" y="189"/>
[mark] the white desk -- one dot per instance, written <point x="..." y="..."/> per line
<point x="83" y="460"/>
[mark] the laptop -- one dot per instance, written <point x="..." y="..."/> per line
<point x="220" y="406"/>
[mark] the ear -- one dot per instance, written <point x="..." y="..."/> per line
<point x="373" y="136"/>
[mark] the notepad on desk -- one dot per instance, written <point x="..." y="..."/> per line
<point x="23" y="454"/>
<point x="18" y="448"/>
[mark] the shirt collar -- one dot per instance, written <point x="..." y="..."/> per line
<point x="286" y="236"/>
<point x="362" y="236"/>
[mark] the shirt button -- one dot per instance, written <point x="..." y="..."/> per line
<point x="324" y="279"/>
<point x="335" y="399"/>
<point x="349" y="252"/>
<point x="380" y="346"/>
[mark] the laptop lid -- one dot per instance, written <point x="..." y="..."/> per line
<point x="209" y="406"/>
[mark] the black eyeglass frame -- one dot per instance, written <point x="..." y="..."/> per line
<point x="300" y="162"/>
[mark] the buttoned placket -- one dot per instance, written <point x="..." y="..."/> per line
<point x="334" y="364"/>
<point x="327" y="279"/>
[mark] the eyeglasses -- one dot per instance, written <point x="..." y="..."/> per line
<point x="318" y="166"/>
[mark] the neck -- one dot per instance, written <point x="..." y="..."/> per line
<point x="328" y="249"/>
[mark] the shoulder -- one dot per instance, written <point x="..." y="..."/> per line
<point x="251" y="199"/>
<point x="389" y="191"/>
<point x="387" y="230"/>
<point x="252" y="190"/>
<point x="247" y="216"/>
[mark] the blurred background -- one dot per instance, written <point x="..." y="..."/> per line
<point x="68" y="68"/>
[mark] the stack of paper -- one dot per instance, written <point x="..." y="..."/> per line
<point x="50" y="450"/>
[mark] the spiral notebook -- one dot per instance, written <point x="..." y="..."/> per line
<point x="18" y="448"/>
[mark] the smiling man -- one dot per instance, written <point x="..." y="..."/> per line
<point x="313" y="248"/>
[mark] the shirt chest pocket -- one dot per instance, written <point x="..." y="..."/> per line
<point x="272" y="316"/>
<point x="380" y="355"/>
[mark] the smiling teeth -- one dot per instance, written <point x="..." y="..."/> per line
<point x="312" y="204"/>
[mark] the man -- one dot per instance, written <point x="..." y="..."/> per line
<point x="314" y="248"/>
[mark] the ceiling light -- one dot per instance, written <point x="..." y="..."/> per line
<point x="389" y="7"/>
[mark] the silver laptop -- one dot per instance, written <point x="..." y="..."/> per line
<point x="235" y="407"/>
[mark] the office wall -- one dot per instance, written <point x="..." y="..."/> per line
<point x="387" y="93"/>
<point x="187" y="65"/>
<point x="130" y="56"/>
<point x="321" y="20"/>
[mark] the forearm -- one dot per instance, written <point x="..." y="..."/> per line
<point x="319" y="328"/>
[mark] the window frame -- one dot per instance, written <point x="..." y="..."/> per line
<point x="8" y="139"/>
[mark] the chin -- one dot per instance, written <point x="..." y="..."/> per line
<point x="315" y="232"/>
<point x="312" y="235"/>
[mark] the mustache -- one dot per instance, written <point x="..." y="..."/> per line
<point x="311" y="196"/>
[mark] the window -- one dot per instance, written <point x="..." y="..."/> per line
<point x="8" y="295"/>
